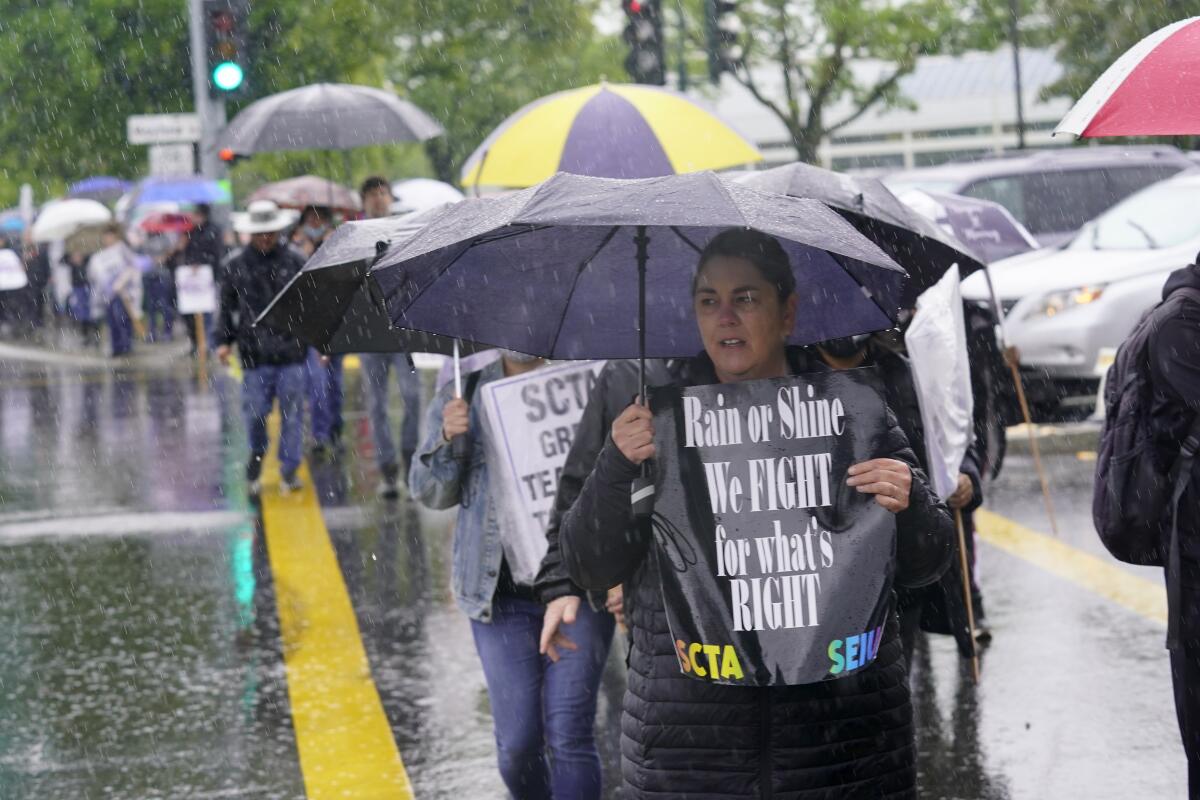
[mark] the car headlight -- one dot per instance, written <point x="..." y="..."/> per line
<point x="1055" y="303"/>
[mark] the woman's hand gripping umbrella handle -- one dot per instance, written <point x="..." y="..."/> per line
<point x="633" y="434"/>
<point x="460" y="448"/>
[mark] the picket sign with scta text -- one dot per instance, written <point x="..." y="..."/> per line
<point x="195" y="289"/>
<point x="529" y="422"/>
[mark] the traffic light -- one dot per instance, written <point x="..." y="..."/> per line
<point x="724" y="29"/>
<point x="225" y="39"/>
<point x="643" y="34"/>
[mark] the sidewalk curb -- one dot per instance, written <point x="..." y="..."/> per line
<point x="143" y="356"/>
<point x="1070" y="437"/>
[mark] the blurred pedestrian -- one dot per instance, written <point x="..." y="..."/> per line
<point x="377" y="201"/>
<point x="158" y="283"/>
<point x="314" y="227"/>
<point x="1146" y="502"/>
<point x="79" y="299"/>
<point x="37" y="263"/>
<point x="688" y="738"/>
<point x="272" y="362"/>
<point x="324" y="372"/>
<point x="938" y="607"/>
<point x="203" y="245"/>
<point x="543" y="709"/>
<point x="116" y="288"/>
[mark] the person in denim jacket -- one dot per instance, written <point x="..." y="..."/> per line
<point x="543" y="710"/>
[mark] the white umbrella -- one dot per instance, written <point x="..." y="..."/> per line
<point x="61" y="218"/>
<point x="421" y="194"/>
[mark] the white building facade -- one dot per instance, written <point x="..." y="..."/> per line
<point x="965" y="106"/>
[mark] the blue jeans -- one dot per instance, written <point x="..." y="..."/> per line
<point x="542" y="710"/>
<point x="376" y="368"/>
<point x="120" y="327"/>
<point x="260" y="388"/>
<point x="325" y="395"/>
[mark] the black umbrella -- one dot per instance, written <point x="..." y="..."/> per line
<point x="330" y="305"/>
<point x="581" y="267"/>
<point x="914" y="241"/>
<point x="327" y="116"/>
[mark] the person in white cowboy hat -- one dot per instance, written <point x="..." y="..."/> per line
<point x="273" y="362"/>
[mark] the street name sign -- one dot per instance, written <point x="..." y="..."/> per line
<point x="162" y="128"/>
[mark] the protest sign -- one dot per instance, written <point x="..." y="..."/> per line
<point x="195" y="290"/>
<point x="937" y="351"/>
<point x="530" y="422"/>
<point x="12" y="271"/>
<point x="774" y="571"/>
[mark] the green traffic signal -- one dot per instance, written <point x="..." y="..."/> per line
<point x="227" y="76"/>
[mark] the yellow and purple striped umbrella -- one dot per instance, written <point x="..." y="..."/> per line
<point x="606" y="131"/>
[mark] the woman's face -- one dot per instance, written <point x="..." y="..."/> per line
<point x="742" y="321"/>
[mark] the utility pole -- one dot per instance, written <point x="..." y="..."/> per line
<point x="210" y="111"/>
<point x="1015" y="33"/>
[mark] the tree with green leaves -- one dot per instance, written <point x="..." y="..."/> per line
<point x="71" y="71"/>
<point x="1092" y="34"/>
<point x="819" y="49"/>
<point x="471" y="63"/>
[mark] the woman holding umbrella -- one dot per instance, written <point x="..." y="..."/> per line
<point x="683" y="737"/>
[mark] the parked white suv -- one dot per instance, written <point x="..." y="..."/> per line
<point x="1063" y="305"/>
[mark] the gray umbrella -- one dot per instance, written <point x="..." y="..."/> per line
<point x="327" y="116"/>
<point x="330" y="305"/>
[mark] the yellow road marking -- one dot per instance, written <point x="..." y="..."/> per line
<point x="1097" y="575"/>
<point x="346" y="745"/>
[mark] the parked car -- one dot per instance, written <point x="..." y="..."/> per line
<point x="1051" y="192"/>
<point x="1064" y="305"/>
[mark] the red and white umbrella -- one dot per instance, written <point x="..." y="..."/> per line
<point x="1152" y="90"/>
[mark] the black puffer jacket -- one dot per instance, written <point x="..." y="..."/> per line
<point x="618" y="381"/>
<point x="683" y="738"/>
<point x="251" y="281"/>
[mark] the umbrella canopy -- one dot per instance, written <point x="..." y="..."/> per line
<point x="327" y="116"/>
<point x="329" y="305"/>
<point x="11" y="221"/>
<point x="61" y="218"/>
<point x="421" y="194"/>
<point x="557" y="270"/>
<point x="86" y="240"/>
<point x="99" y="187"/>
<point x="986" y="227"/>
<point x="1148" y="91"/>
<point x="920" y="246"/>
<point x="192" y="189"/>
<point x="307" y="190"/>
<point x="166" y="222"/>
<point x="608" y="131"/>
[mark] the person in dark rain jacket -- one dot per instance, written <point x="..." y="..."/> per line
<point x="273" y="362"/>
<point x="1175" y="379"/>
<point x="683" y="738"/>
<point x="938" y="608"/>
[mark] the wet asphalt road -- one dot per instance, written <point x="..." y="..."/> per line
<point x="143" y="656"/>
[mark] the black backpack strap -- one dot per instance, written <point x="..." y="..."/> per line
<point x="1181" y="476"/>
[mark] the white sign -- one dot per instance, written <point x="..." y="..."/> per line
<point x="167" y="160"/>
<point x="162" y="128"/>
<point x="530" y="421"/>
<point x="937" y="351"/>
<point x="12" y="271"/>
<point x="195" y="289"/>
